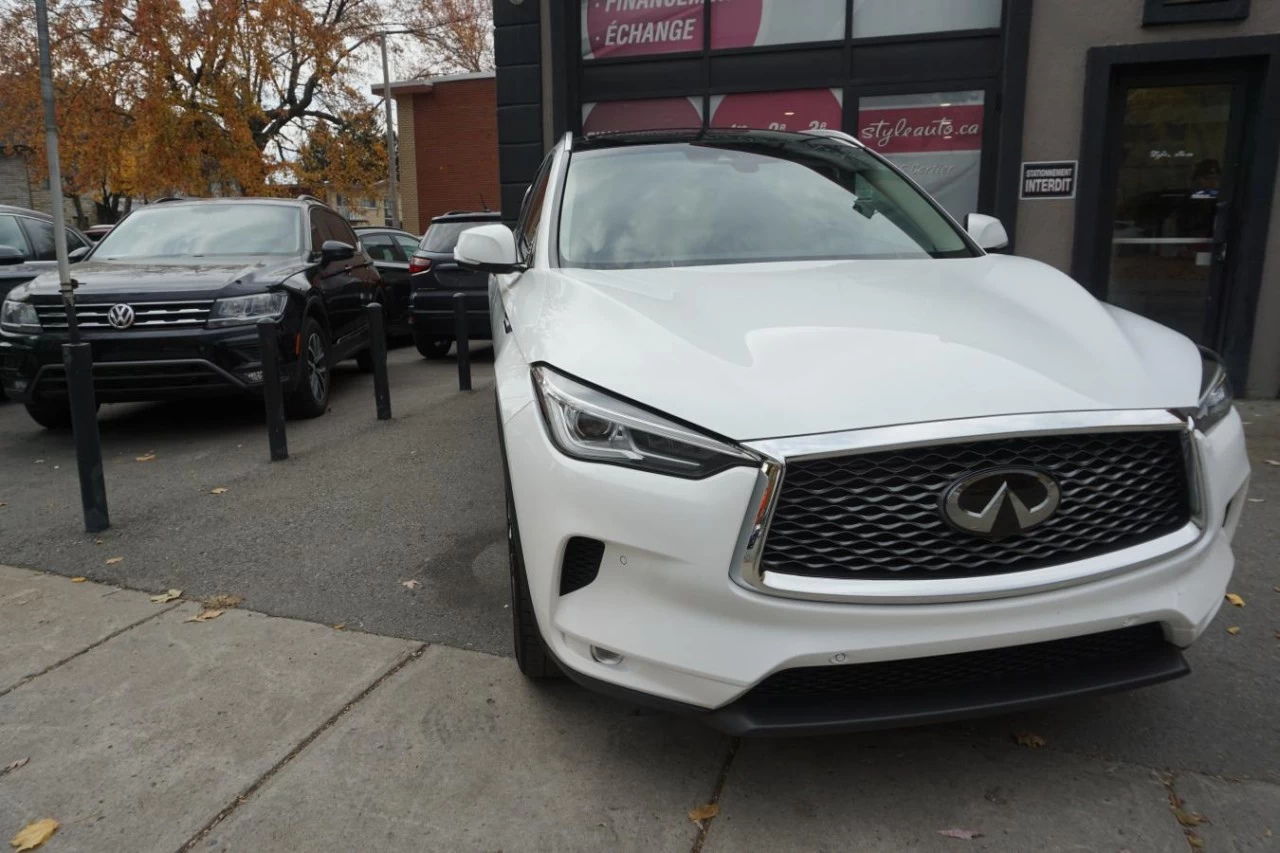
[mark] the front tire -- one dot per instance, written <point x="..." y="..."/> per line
<point x="51" y="415"/>
<point x="532" y="655"/>
<point x="311" y="398"/>
<point x="431" y="347"/>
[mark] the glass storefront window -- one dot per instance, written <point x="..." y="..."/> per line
<point x="936" y="138"/>
<point x="901" y="17"/>
<point x="633" y="28"/>
<point x="645" y="114"/>
<point x="801" y="109"/>
<point x="751" y="23"/>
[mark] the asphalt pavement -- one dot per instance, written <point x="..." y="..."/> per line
<point x="362" y="507"/>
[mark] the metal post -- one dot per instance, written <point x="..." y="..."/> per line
<point x="462" y="340"/>
<point x="393" y="213"/>
<point x="77" y="357"/>
<point x="378" y="347"/>
<point x="272" y="393"/>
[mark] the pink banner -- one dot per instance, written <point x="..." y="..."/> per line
<point x="647" y="114"/>
<point x="917" y="130"/>
<point x="801" y="109"/>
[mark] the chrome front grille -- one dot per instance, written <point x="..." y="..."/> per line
<point x="875" y="515"/>
<point x="172" y="314"/>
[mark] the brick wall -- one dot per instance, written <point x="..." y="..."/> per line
<point x="407" y="165"/>
<point x="455" y="141"/>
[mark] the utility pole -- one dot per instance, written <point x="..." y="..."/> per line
<point x="393" y="212"/>
<point x="77" y="357"/>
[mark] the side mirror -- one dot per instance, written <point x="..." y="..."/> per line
<point x="487" y="248"/>
<point x="336" y="250"/>
<point x="986" y="231"/>
<point x="10" y="256"/>
<point x="76" y="254"/>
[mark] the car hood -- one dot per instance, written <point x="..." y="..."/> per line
<point x="117" y="280"/>
<point x="779" y="349"/>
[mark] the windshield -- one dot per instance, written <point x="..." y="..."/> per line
<point x="203" y="231"/>
<point x="741" y="201"/>
<point x="443" y="236"/>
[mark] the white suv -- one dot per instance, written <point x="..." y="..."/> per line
<point x="785" y="447"/>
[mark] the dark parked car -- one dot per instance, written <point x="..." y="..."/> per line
<point x="437" y="277"/>
<point x="170" y="299"/>
<point x="26" y="245"/>
<point x="390" y="249"/>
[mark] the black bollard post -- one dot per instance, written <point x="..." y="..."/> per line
<point x="77" y="361"/>
<point x="378" y="346"/>
<point x="462" y="340"/>
<point x="272" y="394"/>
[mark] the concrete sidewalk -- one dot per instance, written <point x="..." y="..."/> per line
<point x="148" y="732"/>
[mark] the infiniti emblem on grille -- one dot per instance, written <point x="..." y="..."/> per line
<point x="1001" y="502"/>
<point x="120" y="316"/>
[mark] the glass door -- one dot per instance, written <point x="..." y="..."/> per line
<point x="1175" y="155"/>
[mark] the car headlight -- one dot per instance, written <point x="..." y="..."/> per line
<point x="588" y="424"/>
<point x="1215" y="392"/>
<point x="247" y="309"/>
<point x="19" y="317"/>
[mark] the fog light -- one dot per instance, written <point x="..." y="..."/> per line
<point x="605" y="656"/>
<point x="252" y="375"/>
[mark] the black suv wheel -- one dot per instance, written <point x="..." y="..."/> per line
<point x="431" y="347"/>
<point x="311" y="398"/>
<point x="51" y="415"/>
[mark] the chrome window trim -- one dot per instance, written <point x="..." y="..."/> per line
<point x="746" y="570"/>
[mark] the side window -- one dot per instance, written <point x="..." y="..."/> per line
<point x="341" y="229"/>
<point x="74" y="242"/>
<point x="531" y="212"/>
<point x="318" y="231"/>
<point x="380" y="247"/>
<point x="408" y="245"/>
<point x="41" y="236"/>
<point x="11" y="235"/>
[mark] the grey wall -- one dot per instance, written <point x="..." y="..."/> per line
<point x="1062" y="31"/>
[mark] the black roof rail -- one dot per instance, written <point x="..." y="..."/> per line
<point x="174" y="198"/>
<point x="310" y="197"/>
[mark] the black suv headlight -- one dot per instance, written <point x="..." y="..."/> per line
<point x="1215" y="391"/>
<point x="589" y="424"/>
<point x="248" y="309"/>
<point x="19" y="317"/>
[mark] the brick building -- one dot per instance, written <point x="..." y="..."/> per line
<point x="448" y="136"/>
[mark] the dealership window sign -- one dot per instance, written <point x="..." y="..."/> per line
<point x="1049" y="179"/>
<point x="641" y="114"/>
<point x="801" y="109"/>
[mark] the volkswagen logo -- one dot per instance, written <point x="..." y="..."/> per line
<point x="120" y="316"/>
<point x="1001" y="502"/>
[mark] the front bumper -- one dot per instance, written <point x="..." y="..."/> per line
<point x="141" y="365"/>
<point x="689" y="635"/>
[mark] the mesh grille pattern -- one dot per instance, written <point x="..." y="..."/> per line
<point x="581" y="563"/>
<point x="1055" y="658"/>
<point x="877" y="514"/>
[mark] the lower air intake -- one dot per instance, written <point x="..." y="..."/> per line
<point x="582" y="558"/>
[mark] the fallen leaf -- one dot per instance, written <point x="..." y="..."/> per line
<point x="1029" y="740"/>
<point x="1275" y="462"/>
<point x="164" y="597"/>
<point x="221" y="602"/>
<point x="111" y="561"/>
<point x="218" y="491"/>
<point x="34" y="834"/>
<point x="14" y="765"/>
<point x="97" y="542"/>
<point x="41" y="461"/>
<point x="1257" y="500"/>
<point x="1275" y="589"/>
<point x="340" y="626"/>
<point x="962" y="834"/>
<point x="147" y="458"/>
<point x="1196" y="842"/>
<point x="79" y="580"/>
<point x="410" y="584"/>
<point x="1233" y="630"/>
<point x="706" y="812"/>
<point x="1189" y="818"/>
<point x="1235" y="599"/>
<point x="206" y="615"/>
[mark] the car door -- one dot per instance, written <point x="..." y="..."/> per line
<point x="341" y="289"/>
<point x="501" y="311"/>
<point x="392" y="264"/>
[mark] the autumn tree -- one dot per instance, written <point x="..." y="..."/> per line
<point x="217" y="96"/>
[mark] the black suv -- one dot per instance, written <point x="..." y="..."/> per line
<point x="170" y="297"/>
<point x="435" y="277"/>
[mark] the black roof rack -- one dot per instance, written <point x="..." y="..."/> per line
<point x="175" y="198"/>
<point x="309" y="197"/>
